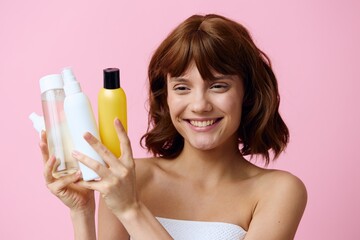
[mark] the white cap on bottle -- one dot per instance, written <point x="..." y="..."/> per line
<point x="53" y="81"/>
<point x="71" y="86"/>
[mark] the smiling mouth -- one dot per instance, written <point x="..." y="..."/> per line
<point x="204" y="123"/>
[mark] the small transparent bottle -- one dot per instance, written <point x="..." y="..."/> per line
<point x="58" y="136"/>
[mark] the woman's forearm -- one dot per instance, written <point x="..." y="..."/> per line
<point x="84" y="225"/>
<point x="142" y="225"/>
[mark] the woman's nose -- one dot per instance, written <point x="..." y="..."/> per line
<point x="200" y="103"/>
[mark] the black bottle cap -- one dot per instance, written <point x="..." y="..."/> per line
<point x="111" y="78"/>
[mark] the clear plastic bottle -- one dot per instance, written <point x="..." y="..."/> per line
<point x="80" y="118"/>
<point x="57" y="132"/>
<point x="111" y="105"/>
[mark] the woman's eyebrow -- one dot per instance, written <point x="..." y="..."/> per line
<point x="222" y="77"/>
<point x="216" y="78"/>
<point x="178" y="79"/>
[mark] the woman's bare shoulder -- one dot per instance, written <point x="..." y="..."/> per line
<point x="280" y="179"/>
<point x="280" y="203"/>
<point x="269" y="181"/>
<point x="273" y="178"/>
<point x="146" y="169"/>
<point x="279" y="189"/>
<point x="273" y="183"/>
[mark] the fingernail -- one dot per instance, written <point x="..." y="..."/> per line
<point x="117" y="121"/>
<point x="87" y="136"/>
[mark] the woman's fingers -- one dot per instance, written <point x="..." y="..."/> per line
<point x="126" y="152"/>
<point x="117" y="183"/>
<point x="49" y="166"/>
<point x="56" y="187"/>
<point x="105" y="154"/>
<point x="100" y="169"/>
<point x="92" y="185"/>
<point x="125" y="145"/>
<point x="43" y="147"/>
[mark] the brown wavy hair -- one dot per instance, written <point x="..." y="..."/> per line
<point x="216" y="44"/>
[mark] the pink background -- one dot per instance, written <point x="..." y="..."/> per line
<point x="314" y="46"/>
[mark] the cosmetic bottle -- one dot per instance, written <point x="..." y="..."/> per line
<point x="57" y="132"/>
<point x="111" y="105"/>
<point x="80" y="118"/>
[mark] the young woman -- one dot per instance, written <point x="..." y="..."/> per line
<point x="213" y="100"/>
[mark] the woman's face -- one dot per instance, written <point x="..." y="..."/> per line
<point x="206" y="113"/>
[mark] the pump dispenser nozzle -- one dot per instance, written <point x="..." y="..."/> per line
<point x="38" y="122"/>
<point x="71" y="86"/>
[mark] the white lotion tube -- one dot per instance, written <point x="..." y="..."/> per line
<point x="80" y="118"/>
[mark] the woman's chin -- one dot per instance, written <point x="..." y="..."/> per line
<point x="202" y="145"/>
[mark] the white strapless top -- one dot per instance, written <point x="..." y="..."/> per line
<point x="201" y="230"/>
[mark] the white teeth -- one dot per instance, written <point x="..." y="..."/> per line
<point x="202" y="123"/>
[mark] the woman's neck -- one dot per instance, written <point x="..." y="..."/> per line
<point x="208" y="166"/>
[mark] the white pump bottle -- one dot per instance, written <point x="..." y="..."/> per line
<point x="80" y="118"/>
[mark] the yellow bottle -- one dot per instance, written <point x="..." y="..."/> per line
<point x="111" y="105"/>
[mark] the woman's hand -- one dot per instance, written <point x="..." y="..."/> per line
<point x="72" y="195"/>
<point x="117" y="184"/>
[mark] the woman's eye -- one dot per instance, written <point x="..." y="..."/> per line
<point x="181" y="88"/>
<point x="219" y="87"/>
